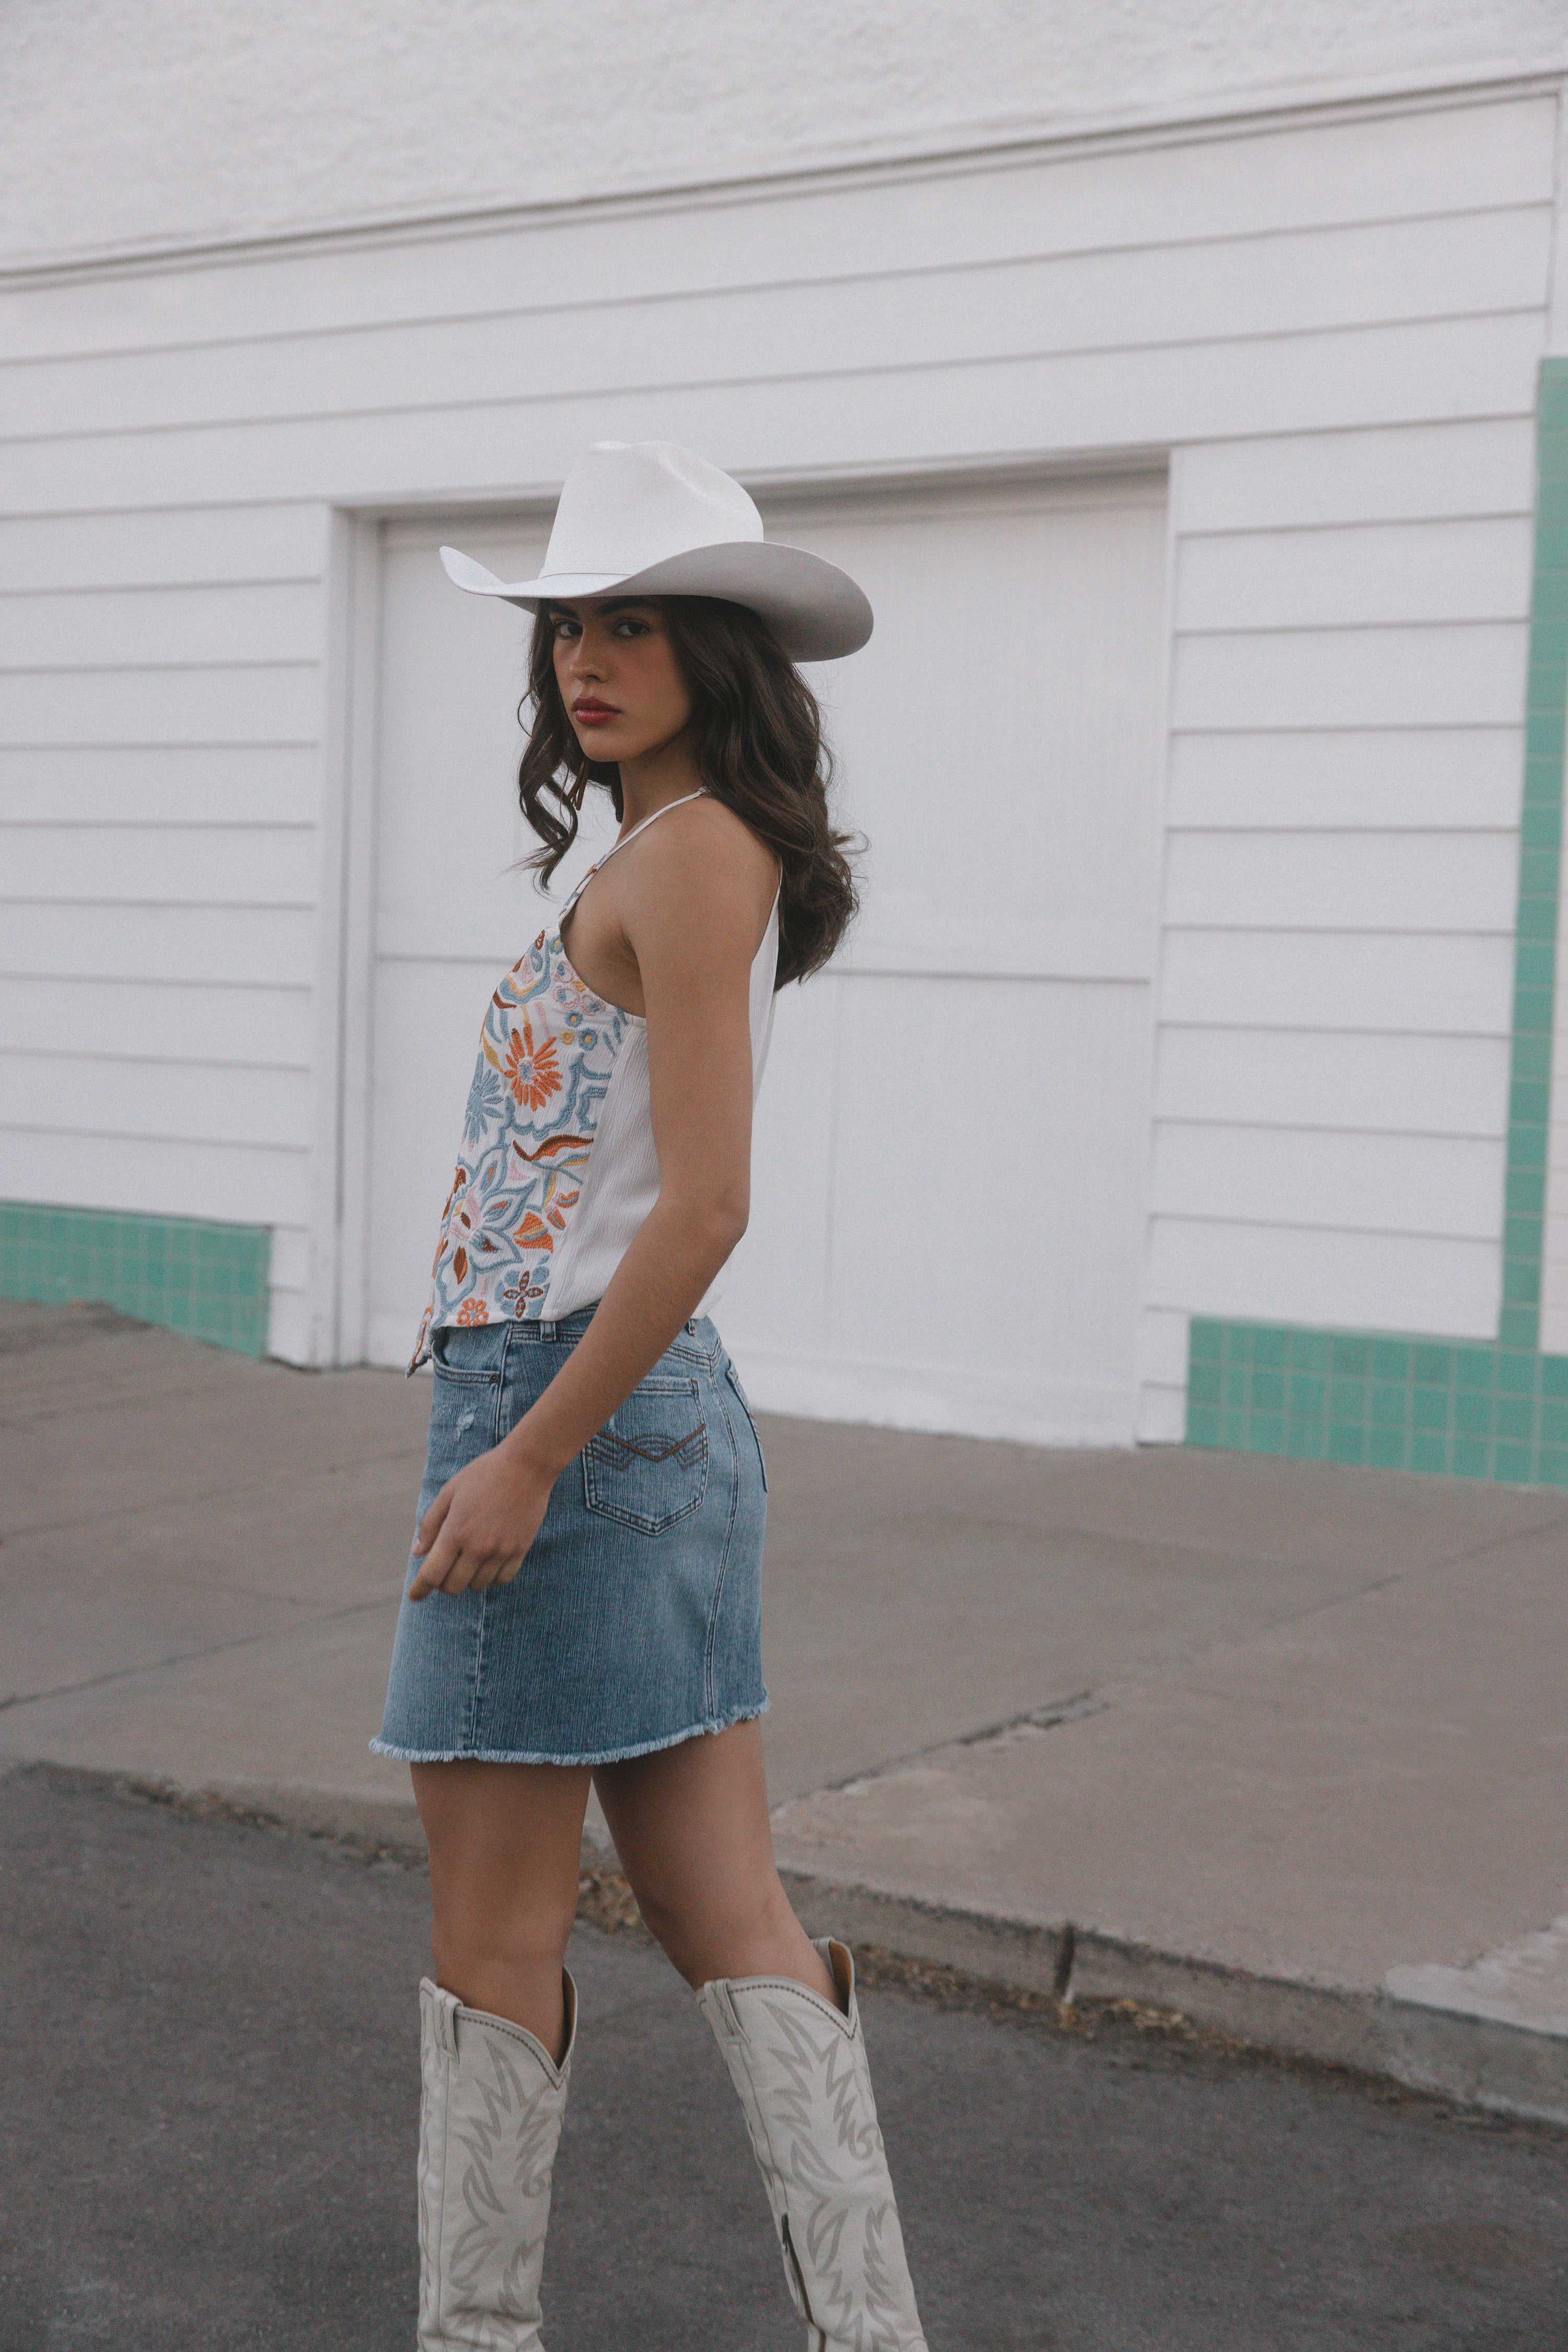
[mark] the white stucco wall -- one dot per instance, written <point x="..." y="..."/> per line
<point x="131" y="121"/>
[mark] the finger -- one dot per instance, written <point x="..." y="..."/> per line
<point x="485" y="1569"/>
<point x="430" y="1525"/>
<point x="435" y="1575"/>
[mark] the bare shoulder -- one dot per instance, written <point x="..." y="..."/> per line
<point x="710" y="857"/>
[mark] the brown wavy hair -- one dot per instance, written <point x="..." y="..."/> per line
<point x="759" y="748"/>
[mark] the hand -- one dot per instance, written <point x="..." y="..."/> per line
<point x="478" y="1528"/>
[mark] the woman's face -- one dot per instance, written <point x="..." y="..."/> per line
<point x="618" y="677"/>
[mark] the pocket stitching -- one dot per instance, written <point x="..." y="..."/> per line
<point x="689" y="1451"/>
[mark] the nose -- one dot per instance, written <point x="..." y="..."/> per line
<point x="585" y="662"/>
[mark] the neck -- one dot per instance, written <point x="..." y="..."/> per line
<point x="655" y="779"/>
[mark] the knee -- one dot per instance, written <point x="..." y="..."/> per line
<point x="470" y="1937"/>
<point x="736" y="1933"/>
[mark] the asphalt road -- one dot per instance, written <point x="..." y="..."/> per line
<point x="210" y="2066"/>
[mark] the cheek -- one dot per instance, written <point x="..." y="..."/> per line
<point x="667" y="684"/>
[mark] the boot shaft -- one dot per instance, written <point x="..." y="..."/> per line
<point x="489" y="2122"/>
<point x="800" y="2069"/>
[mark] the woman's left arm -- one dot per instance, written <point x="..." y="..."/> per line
<point x="689" y="917"/>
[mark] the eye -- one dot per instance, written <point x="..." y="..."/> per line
<point x="566" y="628"/>
<point x="631" y="628"/>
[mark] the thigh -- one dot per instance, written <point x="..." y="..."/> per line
<point x="691" y="1825"/>
<point x="505" y="1844"/>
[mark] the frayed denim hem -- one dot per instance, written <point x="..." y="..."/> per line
<point x="538" y="1756"/>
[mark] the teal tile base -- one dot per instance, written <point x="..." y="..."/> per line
<point x="1454" y="1408"/>
<point x="206" y="1281"/>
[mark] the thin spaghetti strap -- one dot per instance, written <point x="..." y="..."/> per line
<point x="646" y="822"/>
<point x="609" y="853"/>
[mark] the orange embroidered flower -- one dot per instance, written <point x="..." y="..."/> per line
<point x="531" y="1070"/>
<point x="531" y="1234"/>
<point x="473" y="1310"/>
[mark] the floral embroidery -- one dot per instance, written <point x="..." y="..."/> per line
<point x="546" y="1054"/>
<point x="530" y="1069"/>
<point x="485" y="1097"/>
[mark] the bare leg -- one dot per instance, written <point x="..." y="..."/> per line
<point x="691" y="1825"/>
<point x="505" y="1840"/>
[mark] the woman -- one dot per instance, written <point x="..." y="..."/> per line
<point x="583" y="1598"/>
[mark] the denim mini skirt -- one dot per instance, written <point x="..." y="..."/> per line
<point x="636" y="1618"/>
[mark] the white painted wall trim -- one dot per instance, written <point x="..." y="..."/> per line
<point x="1557" y="297"/>
<point x="962" y="150"/>
<point x="317" y="1342"/>
<point x="352" y="1209"/>
<point x="1156" y="1410"/>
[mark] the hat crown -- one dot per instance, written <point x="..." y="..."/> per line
<point x="628" y="505"/>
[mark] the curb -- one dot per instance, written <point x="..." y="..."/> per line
<point x="1476" y="2061"/>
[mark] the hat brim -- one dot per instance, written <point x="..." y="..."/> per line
<point x="816" y="611"/>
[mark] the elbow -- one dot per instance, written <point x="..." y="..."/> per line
<point x="727" y="1221"/>
<point x="716" y="1224"/>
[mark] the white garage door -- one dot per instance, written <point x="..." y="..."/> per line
<point x="951" y="1146"/>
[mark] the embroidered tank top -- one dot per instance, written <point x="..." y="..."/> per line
<point x="557" y="1169"/>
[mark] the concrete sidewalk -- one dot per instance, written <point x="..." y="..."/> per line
<point x="1280" y="1746"/>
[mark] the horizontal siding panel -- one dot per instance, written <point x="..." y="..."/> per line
<point x="1451" y="571"/>
<point x="1387" y="1281"/>
<point x="1317" y="1078"/>
<point x="877" y="417"/>
<point x="1370" y="881"/>
<point x="1287" y="284"/>
<point x="1450" y="1185"/>
<point x="167" y="783"/>
<point x="1464" y="674"/>
<point x="276" y="703"/>
<point x="167" y="865"/>
<point x="1433" y="779"/>
<point x="161" y="547"/>
<point x="241" y="1184"/>
<point x="225" y="945"/>
<point x="1495" y="155"/>
<point x="1401" y="472"/>
<point x="118" y="626"/>
<point x="125" y="1020"/>
<point x="177" y="1103"/>
<point x="1460" y="985"/>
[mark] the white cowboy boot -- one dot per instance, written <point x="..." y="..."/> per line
<point x="800" y="2068"/>
<point x="489" y="2122"/>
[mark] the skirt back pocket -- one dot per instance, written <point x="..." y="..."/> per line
<point x="648" y="1467"/>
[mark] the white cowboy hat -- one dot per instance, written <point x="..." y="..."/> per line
<point x="649" y="519"/>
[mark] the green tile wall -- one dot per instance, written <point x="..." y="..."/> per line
<point x="1471" y="1409"/>
<point x="208" y="1281"/>
<point x="1464" y="1408"/>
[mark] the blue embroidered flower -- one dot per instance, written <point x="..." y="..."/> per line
<point x="484" y="1102"/>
